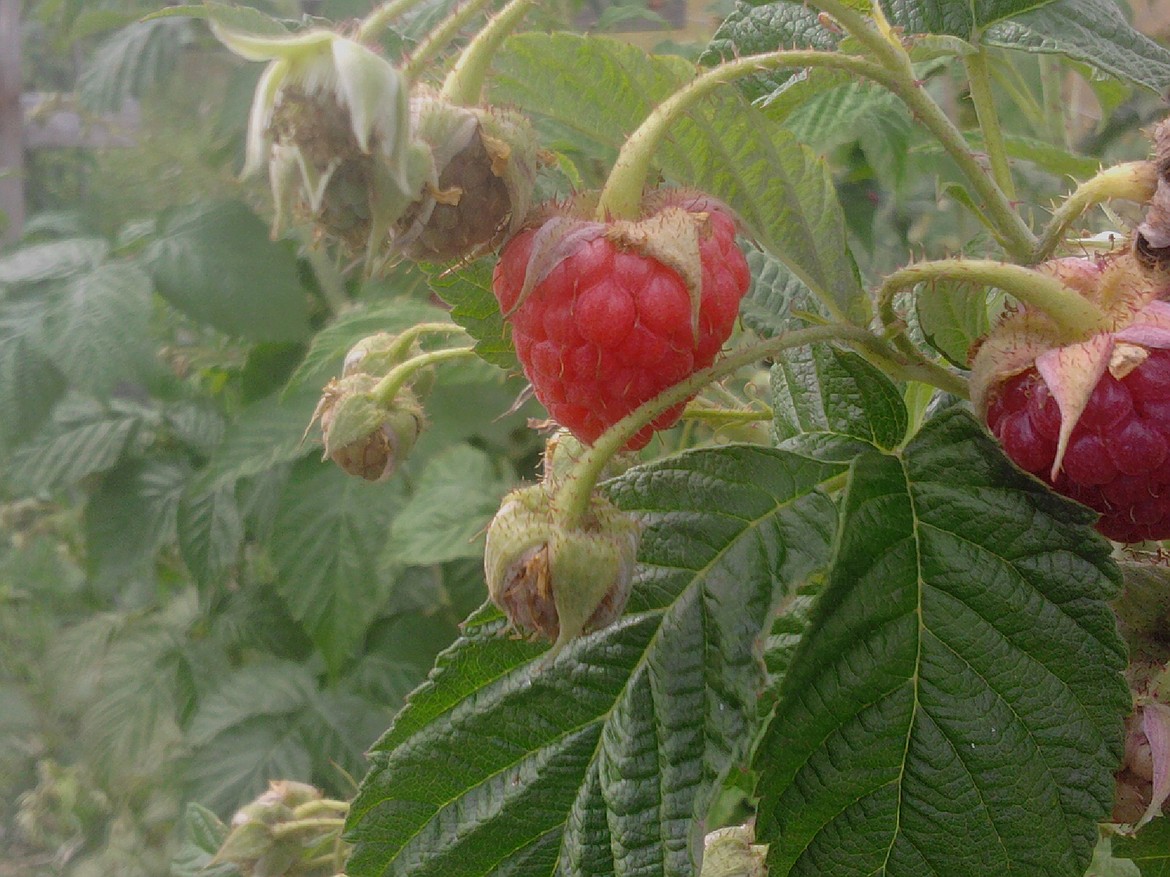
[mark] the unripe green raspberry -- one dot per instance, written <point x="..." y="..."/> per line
<point x="363" y="436"/>
<point x="554" y="581"/>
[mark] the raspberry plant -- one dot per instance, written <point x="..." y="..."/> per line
<point x="875" y="634"/>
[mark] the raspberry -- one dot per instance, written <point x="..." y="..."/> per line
<point x="1091" y="417"/>
<point x="601" y="323"/>
<point x="1116" y="461"/>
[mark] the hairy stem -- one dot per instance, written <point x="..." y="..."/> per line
<point x="622" y="196"/>
<point x="573" y="497"/>
<point x="1076" y="315"/>
<point x="1133" y="181"/>
<point x="370" y="30"/>
<point x="464" y="84"/>
<point x="979" y="80"/>
<point x="408" y="336"/>
<point x="1013" y="232"/>
<point x="388" y="388"/>
<point x="441" y="37"/>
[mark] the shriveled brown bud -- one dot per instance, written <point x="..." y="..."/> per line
<point x="363" y="436"/>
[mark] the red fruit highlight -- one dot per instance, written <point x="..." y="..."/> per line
<point x="604" y="325"/>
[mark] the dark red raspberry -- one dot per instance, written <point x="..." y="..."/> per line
<point x="607" y="326"/>
<point x="1118" y="456"/>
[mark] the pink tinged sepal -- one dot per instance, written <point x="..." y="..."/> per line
<point x="556" y="240"/>
<point x="1071" y="373"/>
<point x="1156" y="727"/>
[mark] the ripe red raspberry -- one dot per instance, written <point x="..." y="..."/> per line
<point x="601" y="322"/>
<point x="1117" y="459"/>
<point x="1092" y="417"/>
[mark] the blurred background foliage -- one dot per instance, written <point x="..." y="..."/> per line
<point x="191" y="602"/>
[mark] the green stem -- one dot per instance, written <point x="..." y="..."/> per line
<point x="1052" y="95"/>
<point x="979" y="80"/>
<point x="1013" y="232"/>
<point x="387" y="389"/>
<point x="441" y="37"/>
<point x="408" y="336"/>
<point x="724" y="416"/>
<point x="572" y="500"/>
<point x="329" y="279"/>
<point x="464" y="84"/>
<point x="1133" y="181"/>
<point x="370" y="30"/>
<point x="622" y="196"/>
<point x="1075" y="315"/>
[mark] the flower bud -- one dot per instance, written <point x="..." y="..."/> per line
<point x="363" y="436"/>
<point x="558" y="582"/>
<point x="376" y="354"/>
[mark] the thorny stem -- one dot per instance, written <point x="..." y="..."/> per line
<point x="880" y="39"/>
<point x="622" y="196"/>
<point x="979" y="80"/>
<point x="572" y="500"/>
<point x="1074" y="314"/>
<point x="464" y="84"/>
<point x="369" y="31"/>
<point x="440" y="38"/>
<point x="725" y="416"/>
<point x="1133" y="181"/>
<point x="387" y="389"/>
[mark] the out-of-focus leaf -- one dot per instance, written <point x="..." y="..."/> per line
<point x="130" y="61"/>
<point x="326" y="539"/>
<point x="53" y="260"/>
<point x="451" y="505"/>
<point x="210" y="530"/>
<point x="215" y="262"/>
<point x="203" y="835"/>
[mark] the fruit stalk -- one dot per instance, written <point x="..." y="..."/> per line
<point x="1014" y="234"/>
<point x="387" y="389"/>
<point x="979" y="80"/>
<point x="574" y="496"/>
<point x="621" y="198"/>
<point x="1132" y="181"/>
<point x="440" y="38"/>
<point x="1075" y="315"/>
<point x="379" y="19"/>
<point x="464" y="84"/>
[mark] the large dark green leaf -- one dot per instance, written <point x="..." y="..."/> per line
<point x="328" y="532"/>
<point x="215" y="262"/>
<point x="781" y="190"/>
<point x="1150" y="850"/>
<point x="604" y="760"/>
<point x="964" y="20"/>
<point x="956" y="705"/>
<point x="1093" y="31"/>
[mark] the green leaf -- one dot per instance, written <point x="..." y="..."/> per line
<point x="1093" y="31"/>
<point x="1150" y="850"/>
<point x="780" y="189"/>
<point x="833" y="405"/>
<point x="328" y="533"/>
<point x="215" y="262"/>
<point x="53" y="260"/>
<point x="246" y="733"/>
<point x="130" y="61"/>
<point x="97" y="330"/>
<point x="210" y="530"/>
<point x="265" y="434"/>
<point x="956" y="705"/>
<point x="474" y="307"/>
<point x="203" y="835"/>
<point x="81" y="439"/>
<point x="327" y="352"/>
<point x="130" y="516"/>
<point x="30" y="385"/>
<point x="953" y="316"/>
<point x="752" y="29"/>
<point x="604" y="760"/>
<point x="964" y="20"/>
<point x="777" y="300"/>
<point x="456" y="496"/>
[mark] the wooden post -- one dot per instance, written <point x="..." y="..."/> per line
<point x="11" y="123"/>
